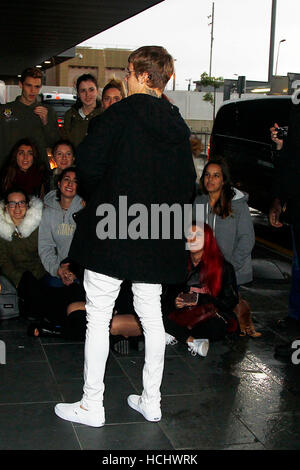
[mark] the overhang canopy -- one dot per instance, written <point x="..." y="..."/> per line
<point x="35" y="31"/>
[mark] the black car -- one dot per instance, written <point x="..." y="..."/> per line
<point x="241" y="134"/>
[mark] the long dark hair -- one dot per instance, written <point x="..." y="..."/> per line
<point x="11" y="166"/>
<point x="84" y="78"/>
<point x="71" y="169"/>
<point x="222" y="206"/>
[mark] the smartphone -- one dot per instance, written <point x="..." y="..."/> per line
<point x="189" y="297"/>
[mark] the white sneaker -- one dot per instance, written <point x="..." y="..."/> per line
<point x="73" y="412"/>
<point x="170" y="339"/>
<point x="152" y="413"/>
<point x="199" y="346"/>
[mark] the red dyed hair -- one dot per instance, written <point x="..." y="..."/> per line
<point x="212" y="263"/>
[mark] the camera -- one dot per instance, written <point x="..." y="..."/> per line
<point x="282" y="132"/>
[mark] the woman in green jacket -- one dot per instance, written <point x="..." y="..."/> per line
<point x="19" y="259"/>
<point x="87" y="106"/>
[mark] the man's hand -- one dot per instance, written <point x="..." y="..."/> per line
<point x="65" y="274"/>
<point x="274" y="214"/>
<point x="278" y="142"/>
<point x="42" y="112"/>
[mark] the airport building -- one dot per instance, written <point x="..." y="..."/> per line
<point x="104" y="64"/>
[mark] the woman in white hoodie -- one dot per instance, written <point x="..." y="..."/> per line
<point x="19" y="259"/>
<point x="56" y="232"/>
<point x="227" y="212"/>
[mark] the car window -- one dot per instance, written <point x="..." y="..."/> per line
<point x="254" y="118"/>
<point x="225" y="122"/>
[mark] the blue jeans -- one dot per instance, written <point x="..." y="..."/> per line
<point x="294" y="298"/>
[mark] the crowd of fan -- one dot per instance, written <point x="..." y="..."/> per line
<point x="37" y="226"/>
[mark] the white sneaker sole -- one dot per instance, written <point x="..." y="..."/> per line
<point x="136" y="407"/>
<point x="76" y="418"/>
<point x="204" y="350"/>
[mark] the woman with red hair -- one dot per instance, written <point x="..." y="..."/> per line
<point x="204" y="305"/>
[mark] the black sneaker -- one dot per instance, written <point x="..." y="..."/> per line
<point x="120" y="344"/>
<point x="44" y="329"/>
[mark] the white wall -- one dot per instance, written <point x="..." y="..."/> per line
<point x="192" y="106"/>
<point x="10" y="92"/>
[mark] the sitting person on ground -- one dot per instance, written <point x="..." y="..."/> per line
<point x="55" y="235"/>
<point x="205" y="303"/>
<point x="226" y="211"/>
<point x="63" y="156"/>
<point x="125" y="329"/>
<point x="87" y="106"/>
<point x="113" y="92"/>
<point x="20" y="217"/>
<point x="25" y="170"/>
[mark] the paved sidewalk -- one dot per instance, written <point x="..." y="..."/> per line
<point x="238" y="397"/>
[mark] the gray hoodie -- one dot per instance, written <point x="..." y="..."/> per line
<point x="56" y="231"/>
<point x="234" y="234"/>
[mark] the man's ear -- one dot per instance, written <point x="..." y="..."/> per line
<point x="20" y="85"/>
<point x="143" y="77"/>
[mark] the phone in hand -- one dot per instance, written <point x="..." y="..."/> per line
<point x="189" y="297"/>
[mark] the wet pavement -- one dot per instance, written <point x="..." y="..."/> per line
<point x="240" y="397"/>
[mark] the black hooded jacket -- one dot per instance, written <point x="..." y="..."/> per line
<point x="136" y="155"/>
<point x="286" y="184"/>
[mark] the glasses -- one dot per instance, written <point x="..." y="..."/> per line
<point x="129" y="72"/>
<point x="13" y="204"/>
<point x="69" y="180"/>
<point x="61" y="155"/>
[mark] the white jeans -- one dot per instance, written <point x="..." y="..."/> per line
<point x="101" y="293"/>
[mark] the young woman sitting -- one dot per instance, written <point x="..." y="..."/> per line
<point x="227" y="213"/>
<point x="20" y="263"/>
<point x="64" y="156"/>
<point x="205" y="303"/>
<point x="125" y="329"/>
<point x="55" y="236"/>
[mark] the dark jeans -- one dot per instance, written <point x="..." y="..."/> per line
<point x="31" y="293"/>
<point x="58" y="299"/>
<point x="38" y="299"/>
<point x="294" y="298"/>
<point x="213" y="329"/>
<point x="74" y="326"/>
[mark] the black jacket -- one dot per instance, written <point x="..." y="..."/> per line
<point x="225" y="302"/>
<point x="139" y="149"/>
<point x="287" y="164"/>
<point x="286" y="184"/>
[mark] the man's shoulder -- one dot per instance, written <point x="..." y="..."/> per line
<point x="9" y="104"/>
<point x="10" y="111"/>
<point x="113" y="116"/>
